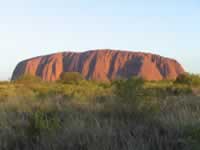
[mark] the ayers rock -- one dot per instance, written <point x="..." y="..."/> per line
<point x="100" y="65"/>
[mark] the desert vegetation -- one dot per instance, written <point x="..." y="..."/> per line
<point x="76" y="114"/>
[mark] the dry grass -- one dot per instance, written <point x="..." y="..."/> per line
<point x="90" y="116"/>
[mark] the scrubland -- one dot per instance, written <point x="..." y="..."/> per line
<point x="87" y="115"/>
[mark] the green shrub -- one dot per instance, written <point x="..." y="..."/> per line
<point x="163" y="92"/>
<point x="129" y="89"/>
<point x="71" y="77"/>
<point x="41" y="121"/>
<point x="27" y="78"/>
<point x="188" y="79"/>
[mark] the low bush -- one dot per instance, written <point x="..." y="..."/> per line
<point x="130" y="89"/>
<point x="71" y="77"/>
<point x="40" y="122"/>
<point x="27" y="79"/>
<point x="188" y="79"/>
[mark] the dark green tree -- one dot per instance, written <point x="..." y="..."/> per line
<point x="129" y="89"/>
<point x="188" y="79"/>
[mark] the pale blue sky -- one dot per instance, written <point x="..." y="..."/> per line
<point x="35" y="27"/>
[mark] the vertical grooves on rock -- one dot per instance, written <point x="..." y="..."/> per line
<point x="112" y="65"/>
<point x="101" y="65"/>
<point x="92" y="64"/>
<point x="42" y="64"/>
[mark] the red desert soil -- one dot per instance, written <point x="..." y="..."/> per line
<point x="100" y="65"/>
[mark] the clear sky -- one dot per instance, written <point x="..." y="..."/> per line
<point x="35" y="27"/>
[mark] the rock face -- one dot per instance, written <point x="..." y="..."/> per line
<point x="100" y="65"/>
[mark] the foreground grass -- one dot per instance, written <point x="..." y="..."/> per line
<point x="96" y="116"/>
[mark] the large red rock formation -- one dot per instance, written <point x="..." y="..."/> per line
<point x="100" y="65"/>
